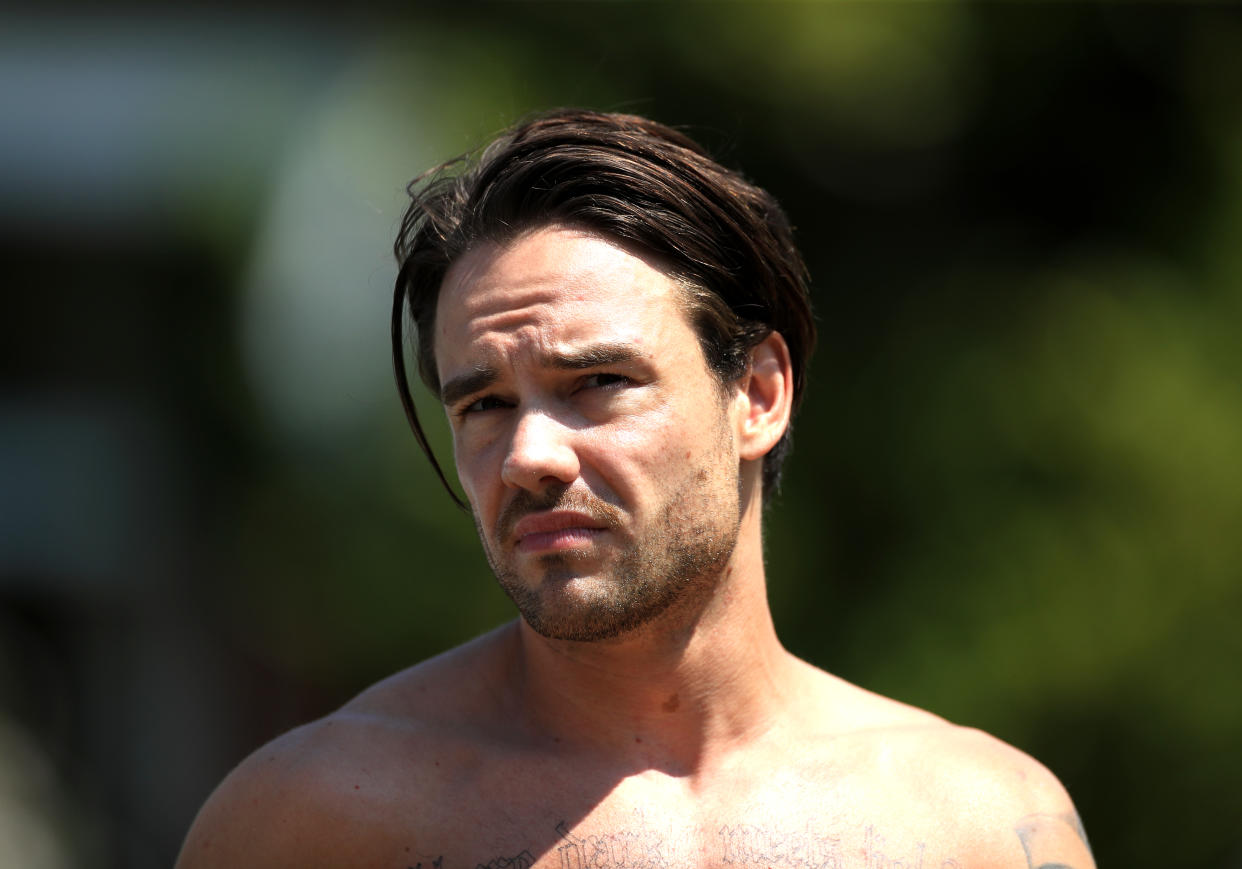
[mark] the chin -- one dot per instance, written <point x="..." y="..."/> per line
<point x="593" y="608"/>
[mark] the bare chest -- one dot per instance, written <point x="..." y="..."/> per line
<point x="741" y="844"/>
<point x="761" y="830"/>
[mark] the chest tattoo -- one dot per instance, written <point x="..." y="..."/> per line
<point x="761" y="846"/>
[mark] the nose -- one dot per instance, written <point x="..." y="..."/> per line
<point x="541" y="453"/>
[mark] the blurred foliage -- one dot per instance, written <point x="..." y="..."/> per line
<point x="1016" y="493"/>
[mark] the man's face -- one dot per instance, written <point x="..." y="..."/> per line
<point x="597" y="450"/>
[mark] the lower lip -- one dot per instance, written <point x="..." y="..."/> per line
<point x="558" y="541"/>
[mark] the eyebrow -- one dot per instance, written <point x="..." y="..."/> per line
<point x="466" y="384"/>
<point x="591" y="356"/>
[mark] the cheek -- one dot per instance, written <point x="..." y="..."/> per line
<point x="478" y="461"/>
<point x="658" y="454"/>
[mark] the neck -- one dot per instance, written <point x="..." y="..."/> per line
<point x="676" y="693"/>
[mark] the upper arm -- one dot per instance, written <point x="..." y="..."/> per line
<point x="1048" y="827"/>
<point x="275" y="809"/>
<point x="1031" y="819"/>
<point x="251" y="819"/>
<point x="348" y="790"/>
<point x="1054" y="841"/>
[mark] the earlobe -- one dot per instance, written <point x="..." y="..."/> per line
<point x="767" y="398"/>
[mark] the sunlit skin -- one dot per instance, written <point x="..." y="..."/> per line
<point x="642" y="712"/>
<point x="593" y="443"/>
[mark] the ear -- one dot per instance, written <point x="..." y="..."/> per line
<point x="765" y="398"/>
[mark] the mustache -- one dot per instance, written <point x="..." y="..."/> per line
<point x="526" y="502"/>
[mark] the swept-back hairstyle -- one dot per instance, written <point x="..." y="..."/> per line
<point x="726" y="241"/>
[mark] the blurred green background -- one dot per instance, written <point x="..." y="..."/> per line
<point x="1016" y="494"/>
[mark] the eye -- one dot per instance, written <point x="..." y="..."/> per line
<point x="484" y="403"/>
<point x="604" y="380"/>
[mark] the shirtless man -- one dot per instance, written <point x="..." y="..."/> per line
<point x="619" y="329"/>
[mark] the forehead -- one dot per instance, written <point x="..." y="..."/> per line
<point x="553" y="289"/>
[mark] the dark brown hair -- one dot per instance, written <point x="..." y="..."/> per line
<point x="641" y="183"/>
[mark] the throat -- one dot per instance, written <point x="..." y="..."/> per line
<point x="679" y="712"/>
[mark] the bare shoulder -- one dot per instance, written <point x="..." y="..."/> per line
<point x="359" y="786"/>
<point x="970" y="760"/>
<point x="274" y="808"/>
<point x="1007" y="807"/>
<point x="985" y="801"/>
<point x="999" y="805"/>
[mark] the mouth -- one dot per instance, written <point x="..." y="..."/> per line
<point x="556" y="531"/>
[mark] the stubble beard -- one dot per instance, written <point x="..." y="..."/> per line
<point x="678" y="560"/>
